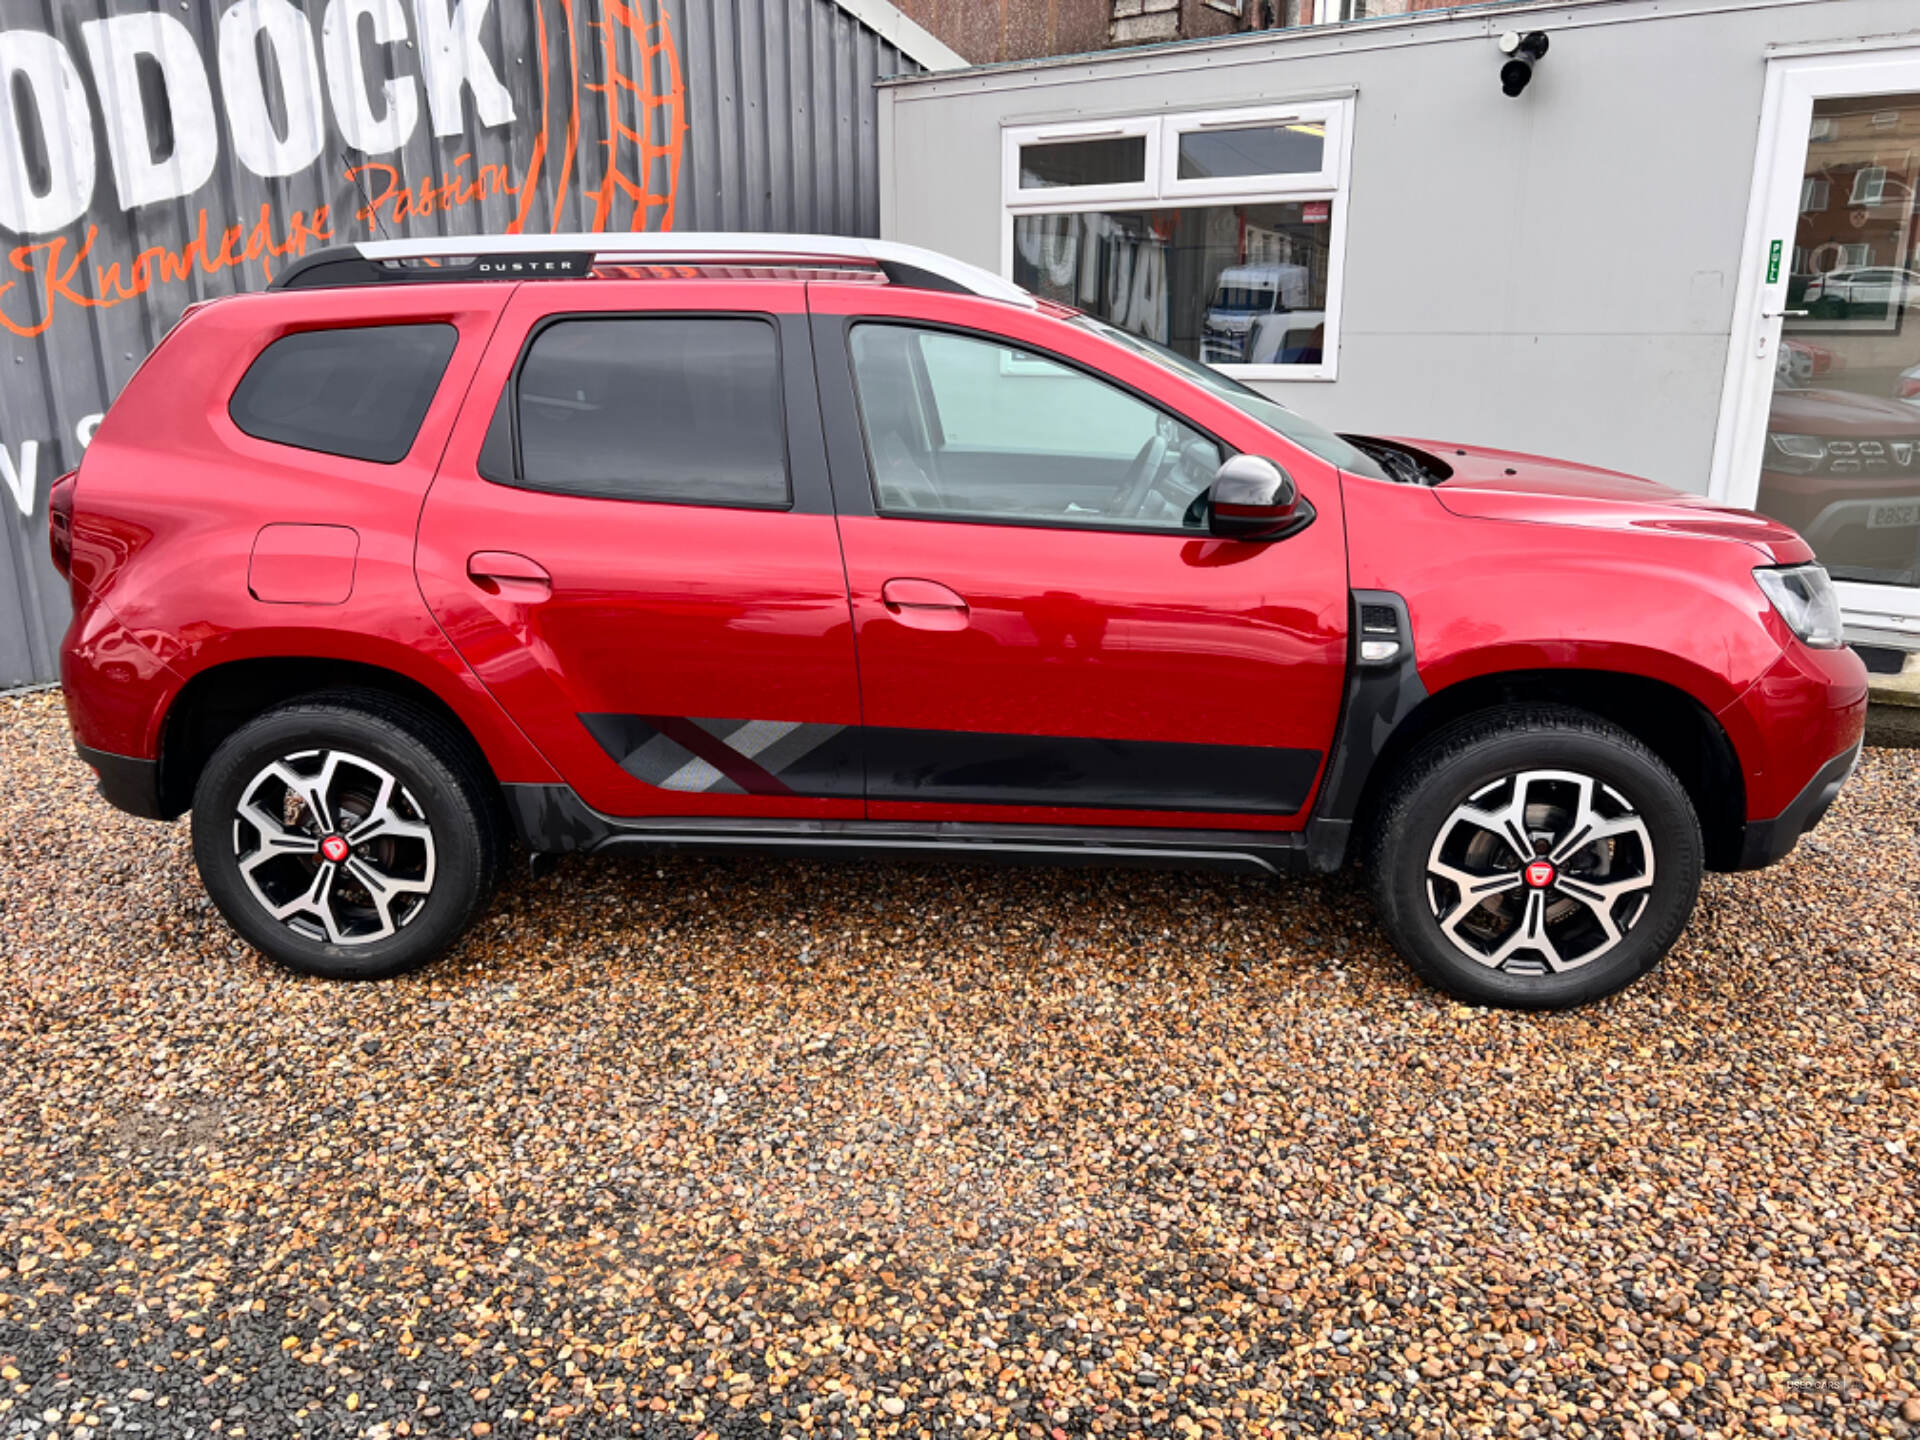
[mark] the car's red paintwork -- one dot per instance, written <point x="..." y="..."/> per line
<point x="1514" y="564"/>
<point x="1591" y="570"/>
<point x="654" y="608"/>
<point x="1088" y="632"/>
<point x="172" y="495"/>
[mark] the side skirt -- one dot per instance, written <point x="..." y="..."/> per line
<point x="553" y="820"/>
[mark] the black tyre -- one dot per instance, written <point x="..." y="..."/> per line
<point x="348" y="835"/>
<point x="1535" y="858"/>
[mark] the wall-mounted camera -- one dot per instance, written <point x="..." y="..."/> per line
<point x="1523" y="52"/>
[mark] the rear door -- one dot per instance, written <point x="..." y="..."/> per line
<point x="1046" y="632"/>
<point x="631" y="540"/>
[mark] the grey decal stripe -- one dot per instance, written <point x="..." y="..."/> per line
<point x="787" y="752"/>
<point x="698" y="777"/>
<point x="724" y="729"/>
<point x="783" y="757"/>
<point x="657" y="761"/>
<point x="758" y="735"/>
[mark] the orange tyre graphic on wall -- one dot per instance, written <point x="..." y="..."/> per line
<point x="613" y="118"/>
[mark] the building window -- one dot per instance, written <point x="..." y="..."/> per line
<point x="1219" y="234"/>
<point x="1815" y="194"/>
<point x="1870" y="185"/>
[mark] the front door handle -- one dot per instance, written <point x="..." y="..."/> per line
<point x="501" y="572"/>
<point x="920" y="595"/>
<point x="923" y="605"/>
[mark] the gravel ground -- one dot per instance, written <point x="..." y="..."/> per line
<point x="742" y="1148"/>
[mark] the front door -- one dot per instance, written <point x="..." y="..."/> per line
<point x="635" y="549"/>
<point x="1823" y="423"/>
<point x="1046" y="633"/>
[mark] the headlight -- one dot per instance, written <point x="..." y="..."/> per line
<point x="1803" y="594"/>
<point x="1794" y="454"/>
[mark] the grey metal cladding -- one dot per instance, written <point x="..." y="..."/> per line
<point x="272" y="132"/>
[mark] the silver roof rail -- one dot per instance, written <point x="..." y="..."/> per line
<point x="559" y="256"/>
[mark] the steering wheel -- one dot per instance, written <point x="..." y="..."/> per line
<point x="1140" y="477"/>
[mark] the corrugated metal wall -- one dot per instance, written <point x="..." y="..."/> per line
<point x="153" y="153"/>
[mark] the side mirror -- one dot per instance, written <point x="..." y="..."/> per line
<point x="1253" y="499"/>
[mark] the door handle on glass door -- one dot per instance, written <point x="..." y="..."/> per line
<point x="501" y="572"/>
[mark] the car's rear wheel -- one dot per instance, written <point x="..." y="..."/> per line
<point x="349" y="835"/>
<point x="1535" y="857"/>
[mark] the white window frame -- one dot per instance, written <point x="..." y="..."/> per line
<point x="1313" y="183"/>
<point x="1083" y="197"/>
<point x="1161" y="189"/>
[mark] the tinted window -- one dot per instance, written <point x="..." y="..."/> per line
<point x="968" y="427"/>
<point x="655" y="409"/>
<point x="1121" y="161"/>
<point x="1252" y="150"/>
<point x="361" y="393"/>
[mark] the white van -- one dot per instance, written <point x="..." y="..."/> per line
<point x="1242" y="293"/>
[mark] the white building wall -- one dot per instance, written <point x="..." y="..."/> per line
<point x="1552" y="273"/>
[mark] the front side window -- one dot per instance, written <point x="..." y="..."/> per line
<point x="684" y="409"/>
<point x="359" y="393"/>
<point x="963" y="427"/>
<point x="1224" y="245"/>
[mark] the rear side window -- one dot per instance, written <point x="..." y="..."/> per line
<point x="675" y="408"/>
<point x="359" y="393"/>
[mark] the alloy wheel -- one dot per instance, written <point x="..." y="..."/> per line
<point x="1540" y="872"/>
<point x="334" y="847"/>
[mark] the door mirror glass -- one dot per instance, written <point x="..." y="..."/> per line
<point x="1254" y="499"/>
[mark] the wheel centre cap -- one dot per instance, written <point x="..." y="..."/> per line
<point x="1539" y="874"/>
<point x="335" y="848"/>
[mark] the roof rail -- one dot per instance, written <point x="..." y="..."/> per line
<point x="526" y="257"/>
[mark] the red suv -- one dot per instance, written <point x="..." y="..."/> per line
<point x="821" y="547"/>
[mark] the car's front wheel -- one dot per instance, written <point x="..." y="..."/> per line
<point x="1535" y="857"/>
<point x="348" y="835"/>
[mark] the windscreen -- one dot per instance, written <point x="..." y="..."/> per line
<point x="1303" y="432"/>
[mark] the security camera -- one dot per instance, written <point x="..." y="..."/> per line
<point x="1524" y="52"/>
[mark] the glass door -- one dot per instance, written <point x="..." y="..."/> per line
<point x="1827" y="421"/>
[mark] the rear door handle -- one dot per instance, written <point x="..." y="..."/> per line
<point x="920" y="595"/>
<point x="501" y="572"/>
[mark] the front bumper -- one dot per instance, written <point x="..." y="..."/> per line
<point x="1765" y="841"/>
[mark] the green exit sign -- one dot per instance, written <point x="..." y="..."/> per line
<point x="1773" y="263"/>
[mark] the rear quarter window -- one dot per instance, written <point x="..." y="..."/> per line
<point x="359" y="393"/>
